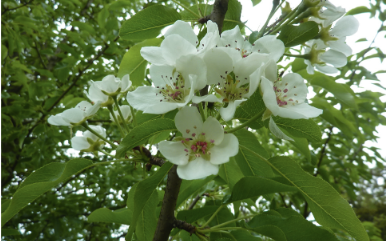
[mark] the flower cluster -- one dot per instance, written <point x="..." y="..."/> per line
<point x="329" y="51"/>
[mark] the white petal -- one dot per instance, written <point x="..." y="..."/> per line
<point x="144" y="98"/>
<point x="269" y="96"/>
<point x="246" y="66"/>
<point x="95" y="94"/>
<point x="57" y="120"/>
<point x="126" y="111"/>
<point x="73" y="115"/>
<point x="337" y="59"/>
<point x="153" y="55"/>
<point x="188" y="121"/>
<point x="80" y="143"/>
<point x="214" y="132"/>
<point x="88" y="108"/>
<point x="306" y="110"/>
<point x="346" y="26"/>
<point x="310" y="67"/>
<point x="192" y="64"/>
<point x="125" y="83"/>
<point x="228" y="112"/>
<point x="269" y="45"/>
<point x="253" y="82"/>
<point x="160" y="75"/>
<point x="98" y="129"/>
<point x="206" y="98"/>
<point x="229" y="147"/>
<point x="174" y="46"/>
<point x="232" y="38"/>
<point x="108" y="84"/>
<point x="219" y="64"/>
<point x="196" y="169"/>
<point x="184" y="30"/>
<point x="326" y="69"/>
<point x="269" y="70"/>
<point x="174" y="152"/>
<point x="341" y="46"/>
<point x="295" y="85"/>
<point x="276" y="130"/>
<point x="233" y="53"/>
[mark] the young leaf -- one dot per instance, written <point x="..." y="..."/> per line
<point x="250" y="187"/>
<point x="233" y="15"/>
<point x="295" y="35"/>
<point x="189" y="187"/>
<point x="147" y="221"/>
<point x="305" y="128"/>
<point x="133" y="63"/>
<point x="230" y="172"/>
<point x="141" y="133"/>
<point x="105" y="215"/>
<point x="249" y="109"/>
<point x="41" y="181"/>
<point x="148" y="23"/>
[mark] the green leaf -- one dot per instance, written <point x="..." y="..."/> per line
<point x="251" y="187"/>
<point x="147" y="222"/>
<point x="291" y="224"/>
<point x="148" y="23"/>
<point x="302" y="145"/>
<point x="341" y="91"/>
<point x="255" y="2"/>
<point x="193" y="14"/>
<point x="358" y="10"/>
<point x="196" y="214"/>
<point x="327" y="205"/>
<point x="295" y="35"/>
<point x="230" y="172"/>
<point x="4" y="52"/>
<point x="143" y="193"/>
<point x="185" y="236"/>
<point x="105" y="215"/>
<point x="141" y="133"/>
<point x="83" y="26"/>
<point x="9" y="232"/>
<point x="244" y="235"/>
<point x="249" y="109"/>
<point x="249" y="164"/>
<point x="233" y="15"/>
<point x="41" y="181"/>
<point x="133" y="63"/>
<point x="305" y="128"/>
<point x="253" y="36"/>
<point x="189" y="187"/>
<point x="102" y="17"/>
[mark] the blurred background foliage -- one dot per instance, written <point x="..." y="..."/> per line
<point x="51" y="49"/>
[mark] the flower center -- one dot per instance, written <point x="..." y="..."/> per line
<point x="285" y="95"/>
<point x="231" y="89"/>
<point x="197" y="146"/>
<point x="174" y="90"/>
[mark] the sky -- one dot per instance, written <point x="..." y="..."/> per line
<point x="256" y="16"/>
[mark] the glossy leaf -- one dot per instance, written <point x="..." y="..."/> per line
<point x="41" y="181"/>
<point x="304" y="128"/>
<point x="105" y="215"/>
<point x="147" y="221"/>
<point x="295" y="35"/>
<point x="189" y="187"/>
<point x="141" y="133"/>
<point x="148" y="23"/>
<point x="249" y="109"/>
<point x="133" y="63"/>
<point x="230" y="172"/>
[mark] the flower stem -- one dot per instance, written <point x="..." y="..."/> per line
<point x="106" y="153"/>
<point x="202" y="111"/>
<point x="257" y="116"/>
<point x="110" y="108"/>
<point x="98" y="135"/>
<point x="304" y="56"/>
<point x="211" y="218"/>
<point x="289" y="16"/>
<point x="133" y="115"/>
<point x="273" y="10"/>
<point x="232" y="221"/>
<point x="121" y="115"/>
<point x="220" y="229"/>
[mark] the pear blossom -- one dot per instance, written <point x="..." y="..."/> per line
<point x="89" y="142"/>
<point x="322" y="60"/>
<point x="202" y="147"/>
<point x="126" y="112"/>
<point x="236" y="81"/>
<point x="286" y="97"/>
<point x="326" y="13"/>
<point x="76" y="115"/>
<point x="109" y="86"/>
<point x="171" y="91"/>
<point x="335" y="37"/>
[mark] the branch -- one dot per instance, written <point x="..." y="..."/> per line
<point x="220" y="8"/>
<point x="166" y="221"/>
<point x="9" y="9"/>
<point x="323" y="151"/>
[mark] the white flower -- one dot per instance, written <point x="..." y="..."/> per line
<point x="236" y="81"/>
<point x="286" y="97"/>
<point x="321" y="59"/>
<point x="126" y="112"/>
<point x="327" y="13"/>
<point x="89" y="142"/>
<point x="76" y="115"/>
<point x="202" y="148"/>
<point x="171" y="91"/>
<point x="233" y="39"/>
<point x="100" y="91"/>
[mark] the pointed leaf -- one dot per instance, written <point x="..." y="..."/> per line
<point x="305" y="128"/>
<point x="295" y="35"/>
<point x="105" y="215"/>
